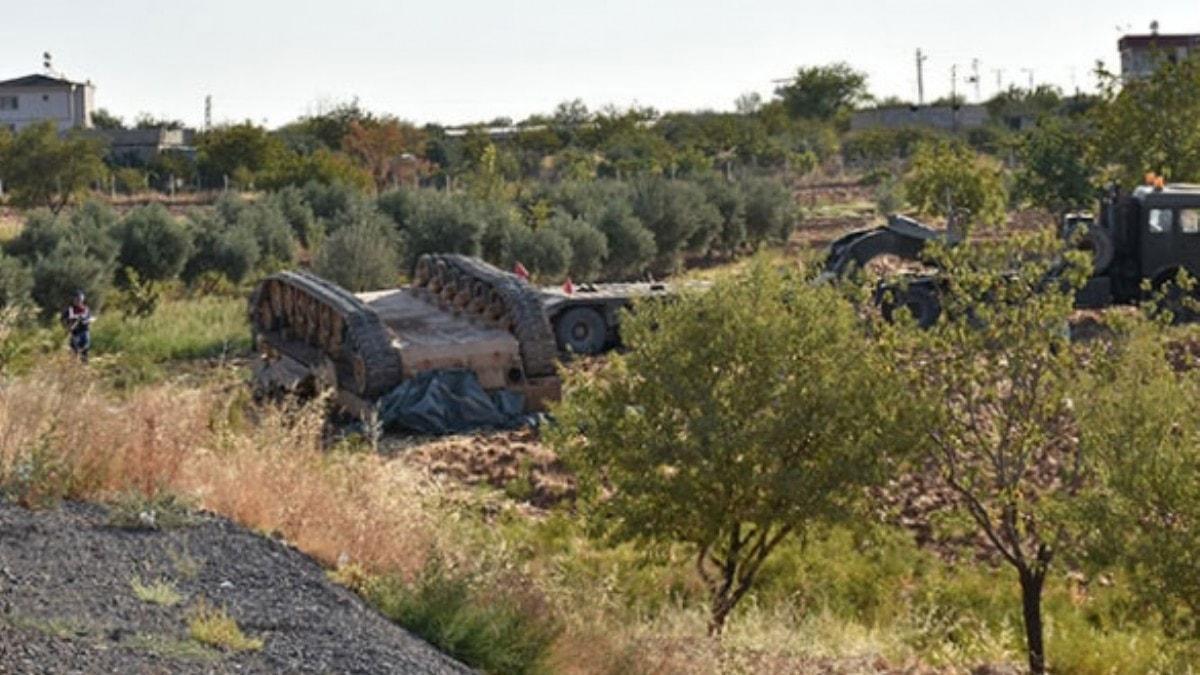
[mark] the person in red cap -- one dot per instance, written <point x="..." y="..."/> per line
<point x="520" y="271"/>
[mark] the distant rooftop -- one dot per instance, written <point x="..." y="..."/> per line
<point x="39" y="81"/>
<point x="1160" y="40"/>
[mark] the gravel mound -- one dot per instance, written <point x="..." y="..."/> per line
<point x="67" y="603"/>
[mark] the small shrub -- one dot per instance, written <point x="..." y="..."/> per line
<point x="679" y="217"/>
<point x="16" y="281"/>
<point x="212" y="626"/>
<point x="161" y="592"/>
<point x="440" y="223"/>
<point x="328" y="200"/>
<point x="492" y="629"/>
<point x="136" y="511"/>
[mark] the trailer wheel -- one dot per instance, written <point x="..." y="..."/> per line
<point x="921" y="302"/>
<point x="581" y="330"/>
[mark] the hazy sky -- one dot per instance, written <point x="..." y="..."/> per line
<point x="457" y="61"/>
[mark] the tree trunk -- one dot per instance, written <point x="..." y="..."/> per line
<point x="1031" y="602"/>
<point x="719" y="612"/>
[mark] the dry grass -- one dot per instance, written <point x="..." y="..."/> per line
<point x="161" y="592"/>
<point x="63" y="437"/>
<point x="10" y="225"/>
<point x="211" y="626"/>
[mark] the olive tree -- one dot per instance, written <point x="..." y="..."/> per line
<point x="740" y="417"/>
<point x="998" y="374"/>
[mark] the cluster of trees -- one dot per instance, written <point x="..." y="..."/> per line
<point x="593" y="230"/>
<point x="757" y="412"/>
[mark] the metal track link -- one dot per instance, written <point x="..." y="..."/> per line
<point x="479" y="289"/>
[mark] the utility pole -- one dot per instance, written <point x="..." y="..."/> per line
<point x="1029" y="72"/>
<point x="954" y="97"/>
<point x="921" y="77"/>
<point x="999" y="73"/>
<point x="208" y="112"/>
<point x="975" y="79"/>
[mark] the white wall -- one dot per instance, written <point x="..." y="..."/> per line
<point x="36" y="104"/>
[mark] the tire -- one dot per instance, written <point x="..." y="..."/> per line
<point x="581" y="331"/>
<point x="922" y="303"/>
<point x="1101" y="244"/>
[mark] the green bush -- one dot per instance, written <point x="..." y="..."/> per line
<point x="231" y="251"/>
<point x="16" y="281"/>
<point x="154" y="243"/>
<point x="487" y="626"/>
<point x="949" y="176"/>
<point x="544" y="252"/>
<point x="588" y="246"/>
<point x="276" y="242"/>
<point x="69" y="268"/>
<point x="299" y="215"/>
<point x="679" y="217"/>
<point x="90" y="226"/>
<point x="361" y="256"/>
<point x="440" y="223"/>
<point x="327" y="200"/>
<point x="630" y="245"/>
<point x="730" y="202"/>
<point x="770" y="211"/>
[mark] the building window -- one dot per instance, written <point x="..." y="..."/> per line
<point x="8" y="103"/>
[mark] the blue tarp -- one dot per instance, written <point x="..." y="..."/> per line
<point x="448" y="402"/>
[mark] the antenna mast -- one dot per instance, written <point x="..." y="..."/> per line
<point x="921" y="58"/>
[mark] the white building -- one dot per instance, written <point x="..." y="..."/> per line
<point x="38" y="98"/>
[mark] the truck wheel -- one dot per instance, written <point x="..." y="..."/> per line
<point x="1101" y="244"/>
<point x="581" y="330"/>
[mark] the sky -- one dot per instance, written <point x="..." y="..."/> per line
<point x="459" y="61"/>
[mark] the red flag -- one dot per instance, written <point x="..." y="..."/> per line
<point x="568" y="287"/>
<point x="519" y="270"/>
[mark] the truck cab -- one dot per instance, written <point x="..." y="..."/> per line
<point x="1148" y="235"/>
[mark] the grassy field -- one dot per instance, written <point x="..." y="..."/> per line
<point x="206" y="327"/>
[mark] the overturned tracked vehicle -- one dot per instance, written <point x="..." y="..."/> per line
<point x="458" y="313"/>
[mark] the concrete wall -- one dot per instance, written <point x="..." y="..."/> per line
<point x="933" y="117"/>
<point x="67" y="106"/>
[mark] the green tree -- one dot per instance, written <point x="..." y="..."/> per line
<point x="1055" y="173"/>
<point x="770" y="211"/>
<point x="1141" y="437"/>
<point x="1149" y="124"/>
<point x="588" y="246"/>
<point x="242" y="152"/>
<point x="692" y="436"/>
<point x="997" y="376"/>
<point x="67" y="269"/>
<point x="823" y="92"/>
<point x="360" y="256"/>
<point x="153" y="243"/>
<point x="230" y="250"/>
<point x="41" y="168"/>
<point x="678" y="215"/>
<point x="103" y="119"/>
<point x="947" y="176"/>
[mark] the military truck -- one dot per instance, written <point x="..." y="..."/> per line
<point x="1147" y="235"/>
<point x="458" y="313"/>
